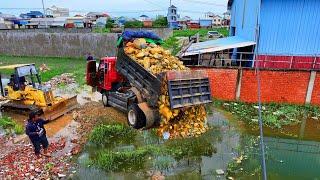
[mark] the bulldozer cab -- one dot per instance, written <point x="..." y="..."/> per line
<point x="23" y="73"/>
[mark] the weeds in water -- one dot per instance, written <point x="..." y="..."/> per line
<point x="111" y="134"/>
<point x="132" y="157"/>
<point x="18" y="129"/>
<point x="6" y="122"/>
<point x="274" y="115"/>
<point x="11" y="126"/>
<point x="191" y="147"/>
<point x="123" y="160"/>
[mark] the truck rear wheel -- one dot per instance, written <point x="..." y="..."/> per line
<point x="105" y="99"/>
<point x="136" y="117"/>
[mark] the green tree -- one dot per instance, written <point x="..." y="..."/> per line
<point x="109" y="23"/>
<point x="133" y="24"/>
<point x="160" y="22"/>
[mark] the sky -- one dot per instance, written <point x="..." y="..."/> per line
<point x="130" y="8"/>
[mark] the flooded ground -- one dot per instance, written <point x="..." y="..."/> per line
<point x="230" y="145"/>
<point x="291" y="156"/>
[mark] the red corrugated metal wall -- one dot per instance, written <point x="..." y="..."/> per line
<point x="288" y="62"/>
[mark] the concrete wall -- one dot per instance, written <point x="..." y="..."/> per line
<point x="164" y="33"/>
<point x="282" y="86"/>
<point x="57" y="44"/>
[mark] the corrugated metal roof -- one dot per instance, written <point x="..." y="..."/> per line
<point x="218" y="45"/>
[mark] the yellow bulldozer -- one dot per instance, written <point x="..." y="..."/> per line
<point x="25" y="93"/>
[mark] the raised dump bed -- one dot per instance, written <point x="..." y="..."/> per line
<point x="186" y="88"/>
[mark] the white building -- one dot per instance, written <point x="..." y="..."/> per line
<point x="217" y="20"/>
<point x="57" y="11"/>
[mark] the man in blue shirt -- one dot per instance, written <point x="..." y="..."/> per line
<point x="37" y="133"/>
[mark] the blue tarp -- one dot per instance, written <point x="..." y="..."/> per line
<point x="128" y="35"/>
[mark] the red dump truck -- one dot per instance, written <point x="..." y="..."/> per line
<point x="127" y="86"/>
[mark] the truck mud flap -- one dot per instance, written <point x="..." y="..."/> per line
<point x="152" y="115"/>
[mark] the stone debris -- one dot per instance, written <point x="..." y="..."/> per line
<point x="44" y="68"/>
<point x="220" y="172"/>
<point x="63" y="79"/>
<point x="185" y="122"/>
<point x="21" y="163"/>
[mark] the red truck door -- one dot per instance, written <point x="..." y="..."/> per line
<point x="91" y="73"/>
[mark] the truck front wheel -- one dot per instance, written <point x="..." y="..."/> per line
<point x="105" y="99"/>
<point x="136" y="117"/>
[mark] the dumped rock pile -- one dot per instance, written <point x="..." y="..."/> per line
<point x="66" y="78"/>
<point x="185" y="122"/>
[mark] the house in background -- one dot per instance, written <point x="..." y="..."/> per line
<point x="172" y="17"/>
<point x="101" y="22"/>
<point x="209" y="15"/>
<point x="6" y="21"/>
<point x="143" y="17"/>
<point x="55" y="11"/>
<point x="226" y="18"/>
<point x="193" y="25"/>
<point x="183" y="22"/>
<point x="217" y="20"/>
<point x="32" y="14"/>
<point x="95" y="15"/>
<point x="290" y="41"/>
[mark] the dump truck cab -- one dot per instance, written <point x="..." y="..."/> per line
<point x="103" y="75"/>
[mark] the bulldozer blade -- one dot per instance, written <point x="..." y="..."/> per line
<point x="17" y="107"/>
<point x="61" y="108"/>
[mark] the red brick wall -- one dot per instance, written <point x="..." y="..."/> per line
<point x="222" y="83"/>
<point x="276" y="86"/>
<point x="316" y="91"/>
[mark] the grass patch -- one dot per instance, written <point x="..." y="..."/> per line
<point x="101" y="30"/>
<point x="10" y="126"/>
<point x="202" y="32"/>
<point x="274" y="115"/>
<point x="57" y="65"/>
<point x="111" y="134"/>
<point x="172" y="45"/>
<point x="134" y="157"/>
<point x="111" y="160"/>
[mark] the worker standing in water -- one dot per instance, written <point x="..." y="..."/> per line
<point x="37" y="134"/>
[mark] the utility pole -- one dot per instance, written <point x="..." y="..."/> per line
<point x="44" y="13"/>
<point x="170" y="2"/>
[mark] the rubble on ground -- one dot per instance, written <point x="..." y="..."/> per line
<point x="44" y="68"/>
<point x="63" y="79"/>
<point x="184" y="122"/>
<point x="21" y="163"/>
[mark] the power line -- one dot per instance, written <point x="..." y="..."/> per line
<point x="204" y="3"/>
<point x="154" y="4"/>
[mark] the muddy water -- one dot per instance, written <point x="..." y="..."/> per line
<point x="292" y="153"/>
<point x="223" y="138"/>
